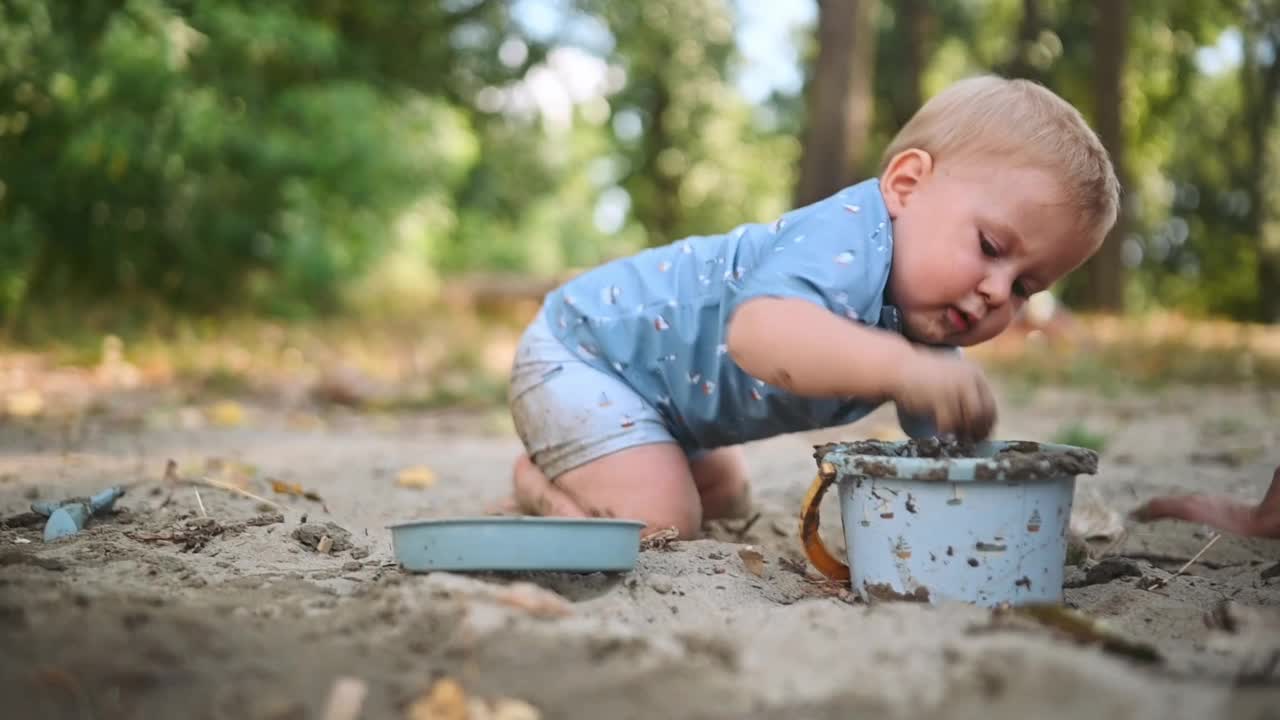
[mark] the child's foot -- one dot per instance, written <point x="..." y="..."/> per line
<point x="1221" y="512"/>
<point x="535" y="495"/>
<point x="721" y="479"/>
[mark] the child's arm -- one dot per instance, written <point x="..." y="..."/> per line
<point x="808" y="350"/>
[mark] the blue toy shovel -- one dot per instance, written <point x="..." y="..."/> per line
<point x="68" y="517"/>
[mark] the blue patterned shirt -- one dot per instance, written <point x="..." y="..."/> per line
<point x="658" y="319"/>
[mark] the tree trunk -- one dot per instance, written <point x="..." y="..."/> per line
<point x="914" y="16"/>
<point x="1020" y="65"/>
<point x="839" y="102"/>
<point x="1261" y="91"/>
<point x="662" y="208"/>
<point x="1105" y="272"/>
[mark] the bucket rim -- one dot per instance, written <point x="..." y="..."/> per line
<point x="1008" y="461"/>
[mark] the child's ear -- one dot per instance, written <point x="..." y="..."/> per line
<point x="903" y="176"/>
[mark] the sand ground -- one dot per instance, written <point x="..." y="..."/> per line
<point x="158" y="612"/>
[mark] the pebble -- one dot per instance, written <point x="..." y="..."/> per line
<point x="311" y="535"/>
<point x="351" y="566"/>
<point x="661" y="584"/>
<point x="1112" y="568"/>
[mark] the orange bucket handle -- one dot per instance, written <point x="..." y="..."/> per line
<point x="814" y="549"/>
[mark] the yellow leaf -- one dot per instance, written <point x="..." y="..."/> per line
<point x="445" y="701"/>
<point x="752" y="560"/>
<point x="296" y="489"/>
<point x="285" y="488"/>
<point x="25" y="403"/>
<point x="227" y="413"/>
<point x="419" y="476"/>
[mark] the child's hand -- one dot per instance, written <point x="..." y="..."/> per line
<point x="948" y="388"/>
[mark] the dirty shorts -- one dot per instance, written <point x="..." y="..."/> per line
<point x="568" y="413"/>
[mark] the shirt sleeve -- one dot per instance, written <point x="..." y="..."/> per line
<point x="835" y="253"/>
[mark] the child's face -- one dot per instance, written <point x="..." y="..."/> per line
<point x="973" y="239"/>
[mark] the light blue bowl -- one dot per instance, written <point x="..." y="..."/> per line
<point x="517" y="543"/>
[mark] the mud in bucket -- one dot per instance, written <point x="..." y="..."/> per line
<point x="927" y="520"/>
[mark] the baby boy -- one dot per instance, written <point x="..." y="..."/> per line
<point x="635" y="386"/>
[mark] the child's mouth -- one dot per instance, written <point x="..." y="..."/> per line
<point x="958" y="320"/>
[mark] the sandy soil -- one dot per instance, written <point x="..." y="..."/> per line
<point x="158" y="612"/>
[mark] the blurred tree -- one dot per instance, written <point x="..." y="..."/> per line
<point x="206" y="154"/>
<point x="839" y="98"/>
<point x="219" y="153"/>
<point x="911" y="32"/>
<point x="1198" y="242"/>
<point x="1260" y="85"/>
<point x="1028" y="59"/>
<point x="694" y="159"/>
<point x="1104" y="274"/>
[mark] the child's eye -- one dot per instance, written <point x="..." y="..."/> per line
<point x="1020" y="289"/>
<point x="988" y="248"/>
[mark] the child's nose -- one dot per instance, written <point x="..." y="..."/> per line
<point x="995" y="288"/>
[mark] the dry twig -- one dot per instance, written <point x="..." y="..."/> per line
<point x="171" y="476"/>
<point x="1165" y="581"/>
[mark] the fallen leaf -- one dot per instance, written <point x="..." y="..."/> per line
<point x="419" y="476"/>
<point x="445" y="701"/>
<point x="537" y="601"/>
<point x="286" y="488"/>
<point x="1074" y="625"/>
<point x="752" y="560"/>
<point x="25" y="403"/>
<point x="227" y="413"/>
<point x="659" y="539"/>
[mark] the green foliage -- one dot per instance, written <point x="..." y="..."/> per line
<point x="207" y="154"/>
<point x="296" y="157"/>
<point x="1079" y="435"/>
<point x="697" y="164"/>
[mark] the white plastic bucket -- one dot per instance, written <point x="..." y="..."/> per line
<point x="988" y="528"/>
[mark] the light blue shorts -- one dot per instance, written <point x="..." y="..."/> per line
<point x="567" y="413"/>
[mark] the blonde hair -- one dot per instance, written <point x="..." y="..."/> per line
<point x="1021" y="121"/>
